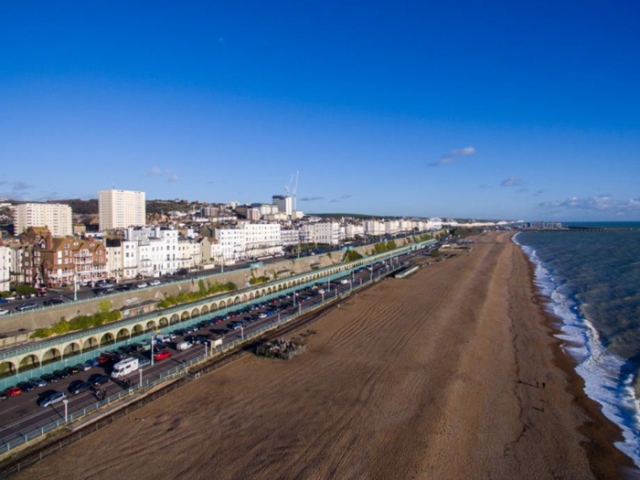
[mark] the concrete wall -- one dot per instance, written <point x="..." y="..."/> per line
<point x="45" y="318"/>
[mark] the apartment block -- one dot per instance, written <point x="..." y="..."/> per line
<point x="56" y="217"/>
<point x="120" y="209"/>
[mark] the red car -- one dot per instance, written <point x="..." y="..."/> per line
<point x="13" y="391"/>
<point x="162" y="355"/>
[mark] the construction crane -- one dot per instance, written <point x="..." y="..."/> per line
<point x="293" y="193"/>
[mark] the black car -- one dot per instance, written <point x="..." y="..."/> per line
<point x="61" y="374"/>
<point x="26" y="386"/>
<point x="53" y="302"/>
<point x="135" y="347"/>
<point x="98" y="379"/>
<point x="79" y="386"/>
<point x="182" y="271"/>
<point x="72" y="369"/>
<point x="199" y="339"/>
<point x="49" y="378"/>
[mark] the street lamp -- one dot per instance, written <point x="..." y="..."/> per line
<point x="140" y="372"/>
<point x="66" y="410"/>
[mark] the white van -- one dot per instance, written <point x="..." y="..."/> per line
<point x="125" y="367"/>
<point x="184" y="346"/>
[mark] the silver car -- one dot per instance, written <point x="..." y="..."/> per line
<point x="51" y="399"/>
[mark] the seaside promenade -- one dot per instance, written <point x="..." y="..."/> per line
<point x="450" y="373"/>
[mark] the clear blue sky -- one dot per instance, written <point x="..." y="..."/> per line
<point x="467" y="109"/>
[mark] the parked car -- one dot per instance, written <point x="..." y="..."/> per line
<point x="162" y="355"/>
<point x="49" y="378"/>
<point x="154" y="283"/>
<point x="3" y="312"/>
<point x="142" y="285"/>
<point x="26" y="386"/>
<point x="98" y="379"/>
<point x="53" y="302"/>
<point x="61" y="374"/>
<point x="92" y="363"/>
<point x="37" y="382"/>
<point x="27" y="306"/>
<point x="83" y="367"/>
<point x="79" y="386"/>
<point x="182" y="346"/>
<point x="13" y="391"/>
<point x="182" y="272"/>
<point x="143" y="362"/>
<point x="72" y="370"/>
<point x="51" y="398"/>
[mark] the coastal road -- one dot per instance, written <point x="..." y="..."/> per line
<point x="21" y="415"/>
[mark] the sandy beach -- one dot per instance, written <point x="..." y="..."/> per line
<point x="450" y="374"/>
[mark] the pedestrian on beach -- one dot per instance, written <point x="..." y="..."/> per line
<point x="544" y="385"/>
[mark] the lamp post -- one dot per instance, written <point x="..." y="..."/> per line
<point x="66" y="410"/>
<point x="140" y="372"/>
<point x="152" y="345"/>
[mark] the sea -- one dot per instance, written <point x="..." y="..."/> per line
<point x="592" y="283"/>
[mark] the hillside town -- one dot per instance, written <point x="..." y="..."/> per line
<point x="48" y="245"/>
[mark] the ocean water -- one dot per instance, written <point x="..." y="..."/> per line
<point x="592" y="281"/>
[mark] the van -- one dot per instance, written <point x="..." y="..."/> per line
<point x="125" y="367"/>
<point x="184" y="346"/>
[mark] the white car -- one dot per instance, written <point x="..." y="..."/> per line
<point x="3" y="312"/>
<point x="154" y="283"/>
<point x="142" y="285"/>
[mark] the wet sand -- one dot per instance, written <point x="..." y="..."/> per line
<point x="436" y="376"/>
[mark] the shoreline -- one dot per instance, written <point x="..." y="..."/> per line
<point x="605" y="459"/>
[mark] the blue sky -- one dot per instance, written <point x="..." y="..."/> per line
<point x="495" y="109"/>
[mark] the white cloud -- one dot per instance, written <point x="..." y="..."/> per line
<point x="512" y="182"/>
<point x="454" y="156"/>
<point x="311" y="199"/>
<point x="173" y="178"/>
<point x="599" y="203"/>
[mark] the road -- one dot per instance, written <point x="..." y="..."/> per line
<point x="84" y="293"/>
<point x="21" y="415"/>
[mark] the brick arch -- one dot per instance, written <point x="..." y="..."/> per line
<point x="123" y="334"/>
<point x="151" y="325"/>
<point x="175" y="318"/>
<point x="7" y="369"/>
<point x="72" y="349"/>
<point x="107" y="339"/>
<point x="185" y="316"/>
<point x="195" y="313"/>
<point x="51" y="355"/>
<point x="139" y="330"/>
<point x="204" y="310"/>
<point x="89" y="344"/>
<point x="29" y="362"/>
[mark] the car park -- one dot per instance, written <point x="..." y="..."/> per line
<point x="51" y="398"/>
